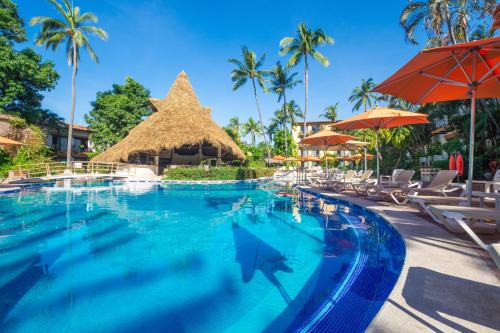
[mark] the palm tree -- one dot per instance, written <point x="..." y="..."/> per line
<point x="252" y="127"/>
<point x="281" y="81"/>
<point x="294" y="112"/>
<point x="363" y="95"/>
<point x="331" y="112"/>
<point x="250" y="69"/>
<point x="234" y="129"/>
<point x="305" y="43"/>
<point x="445" y="21"/>
<point x="72" y="30"/>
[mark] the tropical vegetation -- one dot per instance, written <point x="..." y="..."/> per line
<point x="73" y="31"/>
<point x="304" y="44"/>
<point x="115" y="112"/>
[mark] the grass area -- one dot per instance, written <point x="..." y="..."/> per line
<point x="219" y="173"/>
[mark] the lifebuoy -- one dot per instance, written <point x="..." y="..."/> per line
<point x="460" y="165"/>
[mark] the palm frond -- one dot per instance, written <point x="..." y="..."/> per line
<point x="320" y="58"/>
<point x="103" y="35"/>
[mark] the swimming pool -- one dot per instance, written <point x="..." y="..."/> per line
<point x="139" y="257"/>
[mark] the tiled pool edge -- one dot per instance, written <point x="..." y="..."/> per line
<point x="407" y="309"/>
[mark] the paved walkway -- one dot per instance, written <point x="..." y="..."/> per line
<point x="448" y="284"/>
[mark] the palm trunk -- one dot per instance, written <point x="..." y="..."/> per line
<point x="260" y="119"/>
<point x="306" y="98"/>
<point x="73" y="106"/>
<point x="449" y="26"/>
<point x="284" y="124"/>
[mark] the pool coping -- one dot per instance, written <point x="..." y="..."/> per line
<point x="429" y="294"/>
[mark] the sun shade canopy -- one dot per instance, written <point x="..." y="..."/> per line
<point x="448" y="73"/>
<point x="380" y="117"/>
<point x="326" y="137"/>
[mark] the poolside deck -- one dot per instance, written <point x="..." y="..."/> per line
<point x="448" y="284"/>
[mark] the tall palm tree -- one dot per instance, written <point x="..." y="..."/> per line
<point x="363" y="95"/>
<point x="331" y="112"/>
<point x="73" y="30"/>
<point x="235" y="124"/>
<point x="444" y="21"/>
<point x="252" y="127"/>
<point x="282" y="80"/>
<point x="294" y="112"/>
<point x="250" y="68"/>
<point x="305" y="44"/>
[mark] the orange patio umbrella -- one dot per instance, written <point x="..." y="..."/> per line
<point x="310" y="159"/>
<point x="6" y="142"/>
<point x="462" y="71"/>
<point x="360" y="156"/>
<point x="291" y="159"/>
<point x="278" y="158"/>
<point x="326" y="138"/>
<point x="378" y="118"/>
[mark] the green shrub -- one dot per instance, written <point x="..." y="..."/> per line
<point x="18" y="123"/>
<point x="218" y="173"/>
<point x="441" y="164"/>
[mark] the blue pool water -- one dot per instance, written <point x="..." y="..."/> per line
<point x="118" y="257"/>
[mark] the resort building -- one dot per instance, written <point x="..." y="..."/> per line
<point x="57" y="139"/>
<point x="180" y="132"/>
<point x="312" y="128"/>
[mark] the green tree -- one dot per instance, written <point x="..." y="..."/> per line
<point x="72" y="30"/>
<point x="282" y="146"/>
<point x="294" y="112"/>
<point x="331" y="112"/>
<point x="444" y="21"/>
<point x="11" y="24"/>
<point x="305" y="44"/>
<point x="234" y="129"/>
<point x="363" y="95"/>
<point x="252" y="127"/>
<point x="24" y="75"/>
<point x="282" y="80"/>
<point x="115" y="112"/>
<point x="250" y="69"/>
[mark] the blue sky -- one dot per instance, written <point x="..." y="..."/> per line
<point x="152" y="41"/>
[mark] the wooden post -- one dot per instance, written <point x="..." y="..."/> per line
<point x="200" y="152"/>
<point x="157" y="164"/>
<point x="219" y="154"/>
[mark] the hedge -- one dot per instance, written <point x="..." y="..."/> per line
<point x="219" y="173"/>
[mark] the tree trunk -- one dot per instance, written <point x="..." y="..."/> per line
<point x="284" y="124"/>
<point x="260" y="119"/>
<point x="451" y="32"/>
<point x="306" y="98"/>
<point x="73" y="106"/>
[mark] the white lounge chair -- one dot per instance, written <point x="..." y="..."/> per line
<point x="458" y="218"/>
<point x="441" y="184"/>
<point x="397" y="187"/>
<point x="355" y="182"/>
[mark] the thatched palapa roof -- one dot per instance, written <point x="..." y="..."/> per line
<point x="180" y="120"/>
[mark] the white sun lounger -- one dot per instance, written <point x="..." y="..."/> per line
<point x="459" y="218"/>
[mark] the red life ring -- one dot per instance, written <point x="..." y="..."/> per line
<point x="460" y="165"/>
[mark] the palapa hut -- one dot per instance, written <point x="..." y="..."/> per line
<point x="180" y="132"/>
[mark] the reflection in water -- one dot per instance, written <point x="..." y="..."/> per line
<point x="254" y="254"/>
